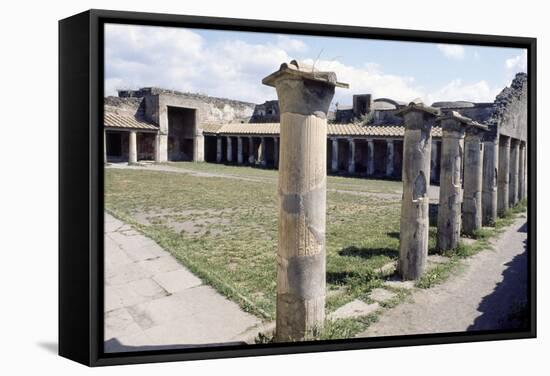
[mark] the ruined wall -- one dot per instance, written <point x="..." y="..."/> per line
<point x="212" y="109"/>
<point x="511" y="109"/>
<point x="268" y="112"/>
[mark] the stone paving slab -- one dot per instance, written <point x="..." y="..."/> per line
<point x="152" y="301"/>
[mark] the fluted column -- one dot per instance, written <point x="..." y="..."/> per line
<point x="304" y="98"/>
<point x="414" y="225"/>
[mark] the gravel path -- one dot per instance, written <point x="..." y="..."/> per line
<point x="483" y="296"/>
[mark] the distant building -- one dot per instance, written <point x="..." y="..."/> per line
<point x="176" y="126"/>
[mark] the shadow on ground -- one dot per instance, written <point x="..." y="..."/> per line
<point x="507" y="306"/>
<point x="368" y="253"/>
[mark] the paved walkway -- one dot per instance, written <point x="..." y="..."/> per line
<point x="492" y="286"/>
<point x="153" y="302"/>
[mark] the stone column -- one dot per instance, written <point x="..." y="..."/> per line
<point x="334" y="165"/>
<point x="389" y="158"/>
<point x="198" y="147"/>
<point x="490" y="174"/>
<point x="132" y="147"/>
<point x="434" y="171"/>
<point x="304" y="98"/>
<point x="453" y="127"/>
<point x="503" y="174"/>
<point x="276" y="152"/>
<point x="229" y="150"/>
<point x="521" y="172"/>
<point x="219" y="154"/>
<point x="239" y="150"/>
<point x="351" y="160"/>
<point x="104" y="146"/>
<point x="251" y="157"/>
<point x="473" y="183"/>
<point x="370" y="157"/>
<point x="263" y="157"/>
<point x="514" y="172"/>
<point x="415" y="222"/>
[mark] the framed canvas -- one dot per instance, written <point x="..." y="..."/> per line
<point x="233" y="187"/>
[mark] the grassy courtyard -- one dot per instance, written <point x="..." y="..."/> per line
<point x="225" y="231"/>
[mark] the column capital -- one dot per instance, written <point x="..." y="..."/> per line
<point x="302" y="89"/>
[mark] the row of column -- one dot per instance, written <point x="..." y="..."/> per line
<point x="469" y="158"/>
<point x="132" y="147"/>
<point x="334" y="166"/>
<point x="262" y="152"/>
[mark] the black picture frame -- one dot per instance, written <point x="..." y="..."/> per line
<point x="81" y="185"/>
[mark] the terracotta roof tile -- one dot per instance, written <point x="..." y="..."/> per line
<point x="117" y="120"/>
<point x="350" y="129"/>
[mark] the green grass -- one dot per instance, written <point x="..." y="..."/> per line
<point x="270" y="176"/>
<point x="234" y="243"/>
<point x="235" y="252"/>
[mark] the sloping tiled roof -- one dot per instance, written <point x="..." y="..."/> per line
<point x="350" y="129"/>
<point x="117" y="120"/>
<point x="250" y="128"/>
<point x="210" y="127"/>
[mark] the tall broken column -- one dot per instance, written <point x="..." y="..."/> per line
<point x="490" y="175"/>
<point x="453" y="126"/>
<point x="503" y="174"/>
<point x="304" y="98"/>
<point x="473" y="178"/>
<point x="514" y="172"/>
<point x="415" y="223"/>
